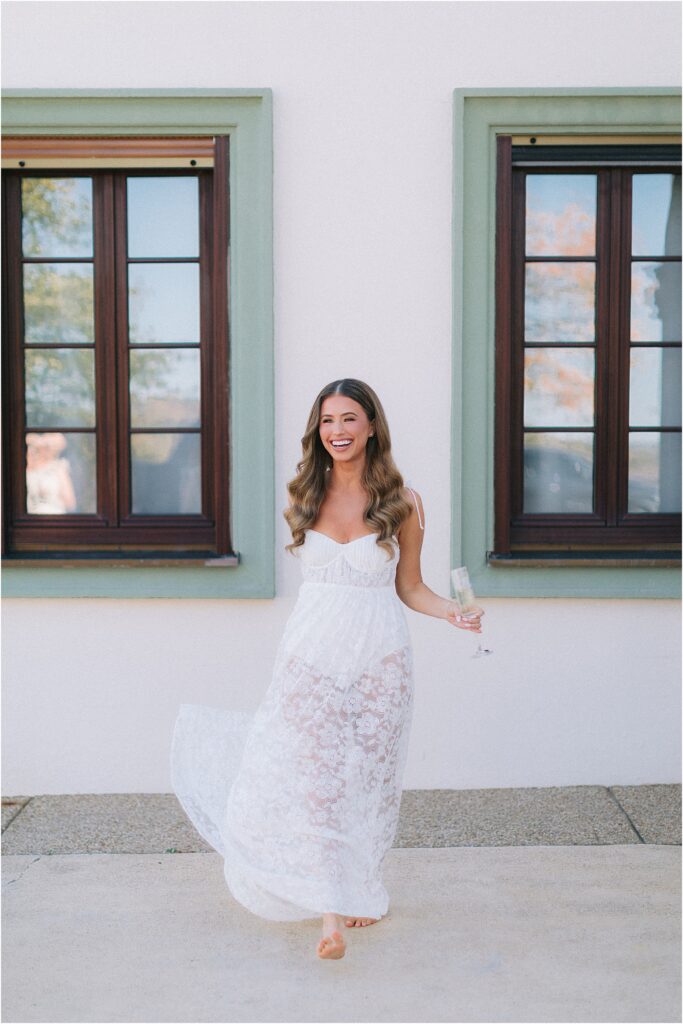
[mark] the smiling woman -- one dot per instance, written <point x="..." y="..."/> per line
<point x="303" y="800"/>
<point x="341" y="426"/>
<point x="338" y="484"/>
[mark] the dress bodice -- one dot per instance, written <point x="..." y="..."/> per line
<point x="359" y="563"/>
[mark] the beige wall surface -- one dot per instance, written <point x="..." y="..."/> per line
<point x="578" y="691"/>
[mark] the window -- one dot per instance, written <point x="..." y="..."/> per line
<point x="588" y="348"/>
<point x="148" y="118"/>
<point x="501" y="562"/>
<point x="116" y="347"/>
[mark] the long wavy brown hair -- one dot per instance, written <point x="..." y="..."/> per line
<point x="386" y="508"/>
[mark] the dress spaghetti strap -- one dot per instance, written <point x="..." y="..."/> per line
<point x="419" y="519"/>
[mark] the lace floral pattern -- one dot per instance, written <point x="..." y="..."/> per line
<point x="302" y="798"/>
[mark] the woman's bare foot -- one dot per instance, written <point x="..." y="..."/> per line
<point x="332" y="945"/>
<point x="360" y="922"/>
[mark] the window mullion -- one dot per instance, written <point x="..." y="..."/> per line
<point x="120" y="313"/>
<point x="621" y="332"/>
<point x="605" y="367"/>
<point x="105" y="348"/>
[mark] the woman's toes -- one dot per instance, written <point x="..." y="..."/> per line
<point x="332" y="947"/>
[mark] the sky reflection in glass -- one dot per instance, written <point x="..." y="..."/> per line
<point x="163" y="217"/>
<point x="560" y="214"/>
<point x="164" y="387"/>
<point x="558" y="387"/>
<point x="163" y="303"/>
<point x="655" y="387"/>
<point x="60" y="387"/>
<point x="656" y="301"/>
<point x="656" y="218"/>
<point x="559" y="302"/>
<point x="654" y="473"/>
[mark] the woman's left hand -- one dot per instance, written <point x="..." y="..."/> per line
<point x="470" y="620"/>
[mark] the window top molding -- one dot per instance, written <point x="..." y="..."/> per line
<point x="651" y="111"/>
<point x="568" y="92"/>
<point x="133" y="111"/>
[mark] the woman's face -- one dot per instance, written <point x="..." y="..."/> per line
<point x="344" y="428"/>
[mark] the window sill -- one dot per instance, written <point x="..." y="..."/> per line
<point x="116" y="559"/>
<point x="583" y="559"/>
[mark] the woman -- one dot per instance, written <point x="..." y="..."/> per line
<point x="306" y="824"/>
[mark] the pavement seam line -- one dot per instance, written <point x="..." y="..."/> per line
<point x="16" y="815"/>
<point x="626" y="814"/>
<point x="12" y="881"/>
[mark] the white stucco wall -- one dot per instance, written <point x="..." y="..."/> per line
<point x="577" y="691"/>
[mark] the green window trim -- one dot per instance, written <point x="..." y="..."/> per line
<point x="245" y="115"/>
<point x="479" y="115"/>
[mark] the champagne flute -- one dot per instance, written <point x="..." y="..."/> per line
<point x="466" y="601"/>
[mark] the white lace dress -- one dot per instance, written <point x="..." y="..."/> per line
<point x="302" y="797"/>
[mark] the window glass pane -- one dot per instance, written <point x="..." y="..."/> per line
<point x="164" y="387"/>
<point x="60" y="474"/>
<point x="656" y="302"/>
<point x="559" y="302"/>
<point x="558" y="387"/>
<point x="58" y="303"/>
<point x="655" y="393"/>
<point x="560" y="214"/>
<point x="656" y="218"/>
<point x="166" y="474"/>
<point x="163" y="303"/>
<point x="60" y="387"/>
<point x="56" y="217"/>
<point x="654" y="472"/>
<point x="163" y="217"/>
<point x="558" y="473"/>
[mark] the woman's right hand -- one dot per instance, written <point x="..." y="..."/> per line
<point x="470" y="620"/>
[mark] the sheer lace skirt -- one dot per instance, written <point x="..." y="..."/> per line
<point x="302" y="797"/>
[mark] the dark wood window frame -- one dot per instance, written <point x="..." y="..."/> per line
<point x="113" y="532"/>
<point x="609" y="530"/>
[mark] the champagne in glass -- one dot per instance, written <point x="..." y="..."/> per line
<point x="466" y="601"/>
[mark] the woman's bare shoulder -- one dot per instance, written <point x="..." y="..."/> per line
<point x="416" y="518"/>
<point x="415" y="498"/>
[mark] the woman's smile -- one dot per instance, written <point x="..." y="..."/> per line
<point x="343" y="422"/>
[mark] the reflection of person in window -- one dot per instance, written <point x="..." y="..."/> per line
<point x="49" y="488"/>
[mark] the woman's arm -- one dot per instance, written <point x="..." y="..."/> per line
<point x="409" y="584"/>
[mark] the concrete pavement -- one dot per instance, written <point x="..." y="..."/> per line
<point x="549" y="931"/>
